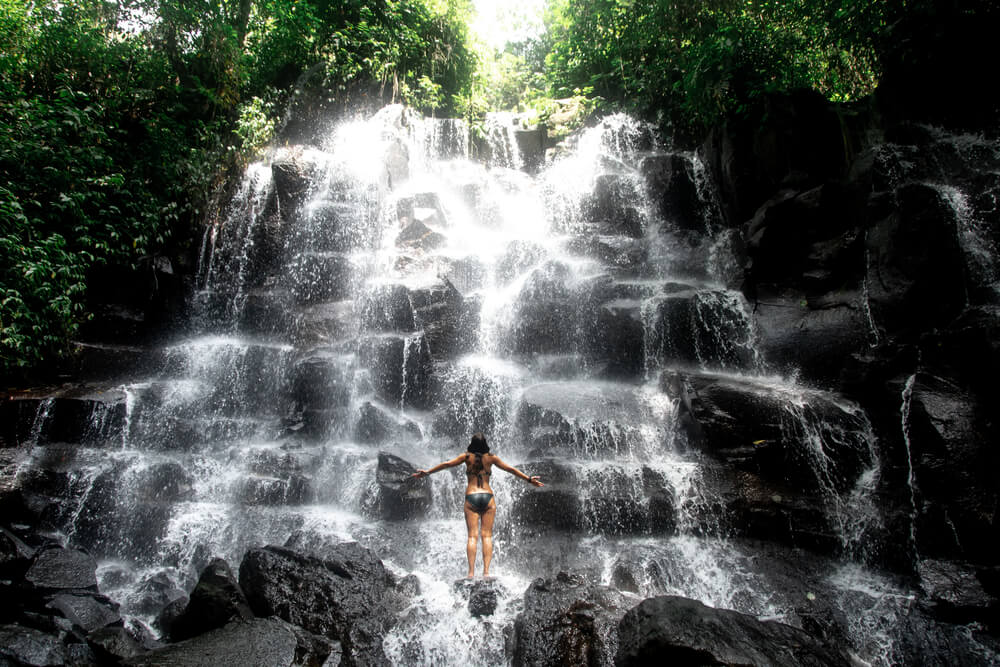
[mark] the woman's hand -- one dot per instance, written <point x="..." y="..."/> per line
<point x="419" y="474"/>
<point x="535" y="481"/>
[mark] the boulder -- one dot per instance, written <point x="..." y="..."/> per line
<point x="916" y="267"/>
<point x="343" y="595"/>
<point x="323" y="323"/>
<point x="86" y="612"/>
<point x="676" y="630"/>
<point x="482" y="594"/>
<point x="670" y="182"/>
<point x="556" y="505"/>
<point x="955" y="594"/>
<point x="396" y="496"/>
<point x="375" y="424"/>
<point x="261" y="642"/>
<point x="114" y="644"/>
<point x="295" y="489"/>
<point x="387" y="308"/>
<point x="335" y="226"/>
<point x="56" y="568"/>
<point x="590" y="419"/>
<point x="315" y="277"/>
<point x="293" y="171"/>
<point x="613" y="203"/>
<point x="400" y="367"/>
<point x="418" y="236"/>
<point x="567" y="621"/>
<point x="26" y="646"/>
<point x="15" y="555"/>
<point x="449" y="321"/>
<point x="215" y="601"/>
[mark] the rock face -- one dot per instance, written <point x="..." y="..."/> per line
<point x="215" y="600"/>
<point x="674" y="630"/>
<point x="345" y="595"/>
<point x="567" y="621"/>
<point x="57" y="568"/>
<point x="397" y="496"/>
<point x="262" y="642"/>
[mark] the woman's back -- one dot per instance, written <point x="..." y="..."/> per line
<point x="478" y="468"/>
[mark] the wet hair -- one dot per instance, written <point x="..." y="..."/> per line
<point x="478" y="444"/>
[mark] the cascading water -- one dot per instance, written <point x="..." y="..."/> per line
<point x="387" y="293"/>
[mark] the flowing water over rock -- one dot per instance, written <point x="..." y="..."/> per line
<point x="366" y="305"/>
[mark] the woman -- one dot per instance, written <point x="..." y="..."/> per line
<point x="480" y="506"/>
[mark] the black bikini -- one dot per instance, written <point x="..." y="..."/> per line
<point x="478" y="502"/>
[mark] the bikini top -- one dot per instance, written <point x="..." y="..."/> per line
<point x="477" y="469"/>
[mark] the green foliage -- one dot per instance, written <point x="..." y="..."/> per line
<point x="120" y="121"/>
<point x="704" y="60"/>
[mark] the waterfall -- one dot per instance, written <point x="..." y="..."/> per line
<point x="911" y="479"/>
<point x="383" y="292"/>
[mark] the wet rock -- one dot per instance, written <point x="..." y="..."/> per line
<point x="319" y="382"/>
<point x="323" y="323"/>
<point x="517" y="258"/>
<point x="621" y="253"/>
<point x="111" y="521"/>
<point x="58" y="568"/>
<point x="387" y="308"/>
<point x="265" y="313"/>
<point x="482" y="594"/>
<point x="86" y="612"/>
<point x="661" y="514"/>
<point x="400" y="368"/>
<point x="215" y="601"/>
<point x="316" y="277"/>
<point x="449" y="321"/>
<point x="556" y="505"/>
<point x="345" y="595"/>
<point x="168" y="615"/>
<point x="114" y="644"/>
<point x="956" y="594"/>
<point x="617" y="338"/>
<point x="672" y="629"/>
<point x="376" y="425"/>
<point x="26" y="646"/>
<point x="92" y="417"/>
<point x="612" y="202"/>
<point x="396" y="496"/>
<point x="670" y="182"/>
<point x="293" y="170"/>
<point x="772" y="431"/>
<point x="585" y="418"/>
<point x="165" y="482"/>
<point x="567" y="621"/>
<point x="293" y="490"/>
<point x="916" y="267"/>
<point x="261" y="642"/>
<point x="952" y="449"/>
<point x="15" y="555"/>
<point x="333" y="226"/>
<point x="543" y="326"/>
<point x="811" y="336"/>
<point x="423" y="207"/>
<point x="418" y="236"/>
<point x="156" y="592"/>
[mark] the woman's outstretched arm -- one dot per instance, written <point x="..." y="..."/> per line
<point x="517" y="473"/>
<point x="441" y="466"/>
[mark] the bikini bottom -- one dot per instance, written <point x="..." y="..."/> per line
<point x="479" y="502"/>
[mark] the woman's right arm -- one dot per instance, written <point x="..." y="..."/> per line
<point x="441" y="466"/>
<point x="498" y="462"/>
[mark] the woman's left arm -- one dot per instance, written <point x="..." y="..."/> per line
<point x="534" y="479"/>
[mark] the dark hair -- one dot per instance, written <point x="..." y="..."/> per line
<point x="478" y="444"/>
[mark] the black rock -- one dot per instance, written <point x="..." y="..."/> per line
<point x="483" y="595"/>
<point x="56" y="568"/>
<point x="345" y="595"/>
<point x="261" y="642"/>
<point x="15" y="555"/>
<point x="675" y="630"/>
<point x="114" y="644"/>
<point x="376" y="425"/>
<point x="86" y="612"/>
<point x="396" y="495"/>
<point x="26" y="646"/>
<point x="215" y="601"/>
<point x="567" y="621"/>
<point x="670" y="182"/>
<point x="955" y="593"/>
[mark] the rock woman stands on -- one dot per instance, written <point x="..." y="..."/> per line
<point x="480" y="506"/>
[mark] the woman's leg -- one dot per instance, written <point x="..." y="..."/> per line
<point x="472" y="523"/>
<point x="487" y="533"/>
